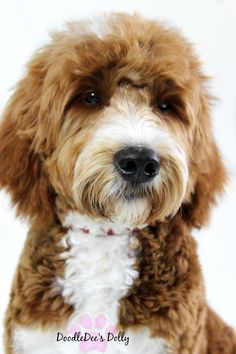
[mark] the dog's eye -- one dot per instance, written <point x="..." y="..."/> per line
<point x="91" y="98"/>
<point x="165" y="106"/>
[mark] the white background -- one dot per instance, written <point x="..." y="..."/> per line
<point x="211" y="25"/>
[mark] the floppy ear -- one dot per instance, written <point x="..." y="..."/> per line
<point x="21" y="168"/>
<point x="208" y="168"/>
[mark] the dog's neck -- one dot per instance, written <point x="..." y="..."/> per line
<point x="97" y="227"/>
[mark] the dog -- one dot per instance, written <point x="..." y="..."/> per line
<point x="106" y="148"/>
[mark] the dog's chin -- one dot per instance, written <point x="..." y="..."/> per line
<point x="132" y="207"/>
<point x="131" y="211"/>
<point x="106" y="197"/>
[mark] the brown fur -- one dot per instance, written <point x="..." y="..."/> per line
<point x="37" y="157"/>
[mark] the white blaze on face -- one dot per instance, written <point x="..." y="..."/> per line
<point x="126" y="124"/>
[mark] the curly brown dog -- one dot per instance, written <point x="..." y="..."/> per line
<point x="106" y="147"/>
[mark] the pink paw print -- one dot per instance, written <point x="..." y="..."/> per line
<point x="90" y="339"/>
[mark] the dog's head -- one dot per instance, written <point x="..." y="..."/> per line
<point x="113" y="119"/>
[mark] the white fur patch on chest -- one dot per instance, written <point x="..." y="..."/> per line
<point x="100" y="269"/>
<point x="99" y="266"/>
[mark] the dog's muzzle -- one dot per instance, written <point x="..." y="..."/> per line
<point x="137" y="164"/>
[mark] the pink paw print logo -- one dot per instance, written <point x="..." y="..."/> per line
<point x="93" y="335"/>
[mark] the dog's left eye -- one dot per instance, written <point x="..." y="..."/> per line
<point x="165" y="106"/>
<point x="91" y="98"/>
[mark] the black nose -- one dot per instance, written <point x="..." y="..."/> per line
<point x="137" y="164"/>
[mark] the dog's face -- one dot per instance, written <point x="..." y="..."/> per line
<point x="123" y="153"/>
<point x="115" y="124"/>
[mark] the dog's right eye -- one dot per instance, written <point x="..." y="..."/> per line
<point x="165" y="106"/>
<point x="85" y="98"/>
<point x="91" y="98"/>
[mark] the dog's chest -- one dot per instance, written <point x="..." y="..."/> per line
<point x="100" y="270"/>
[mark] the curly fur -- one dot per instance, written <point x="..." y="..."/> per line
<point x="56" y="156"/>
